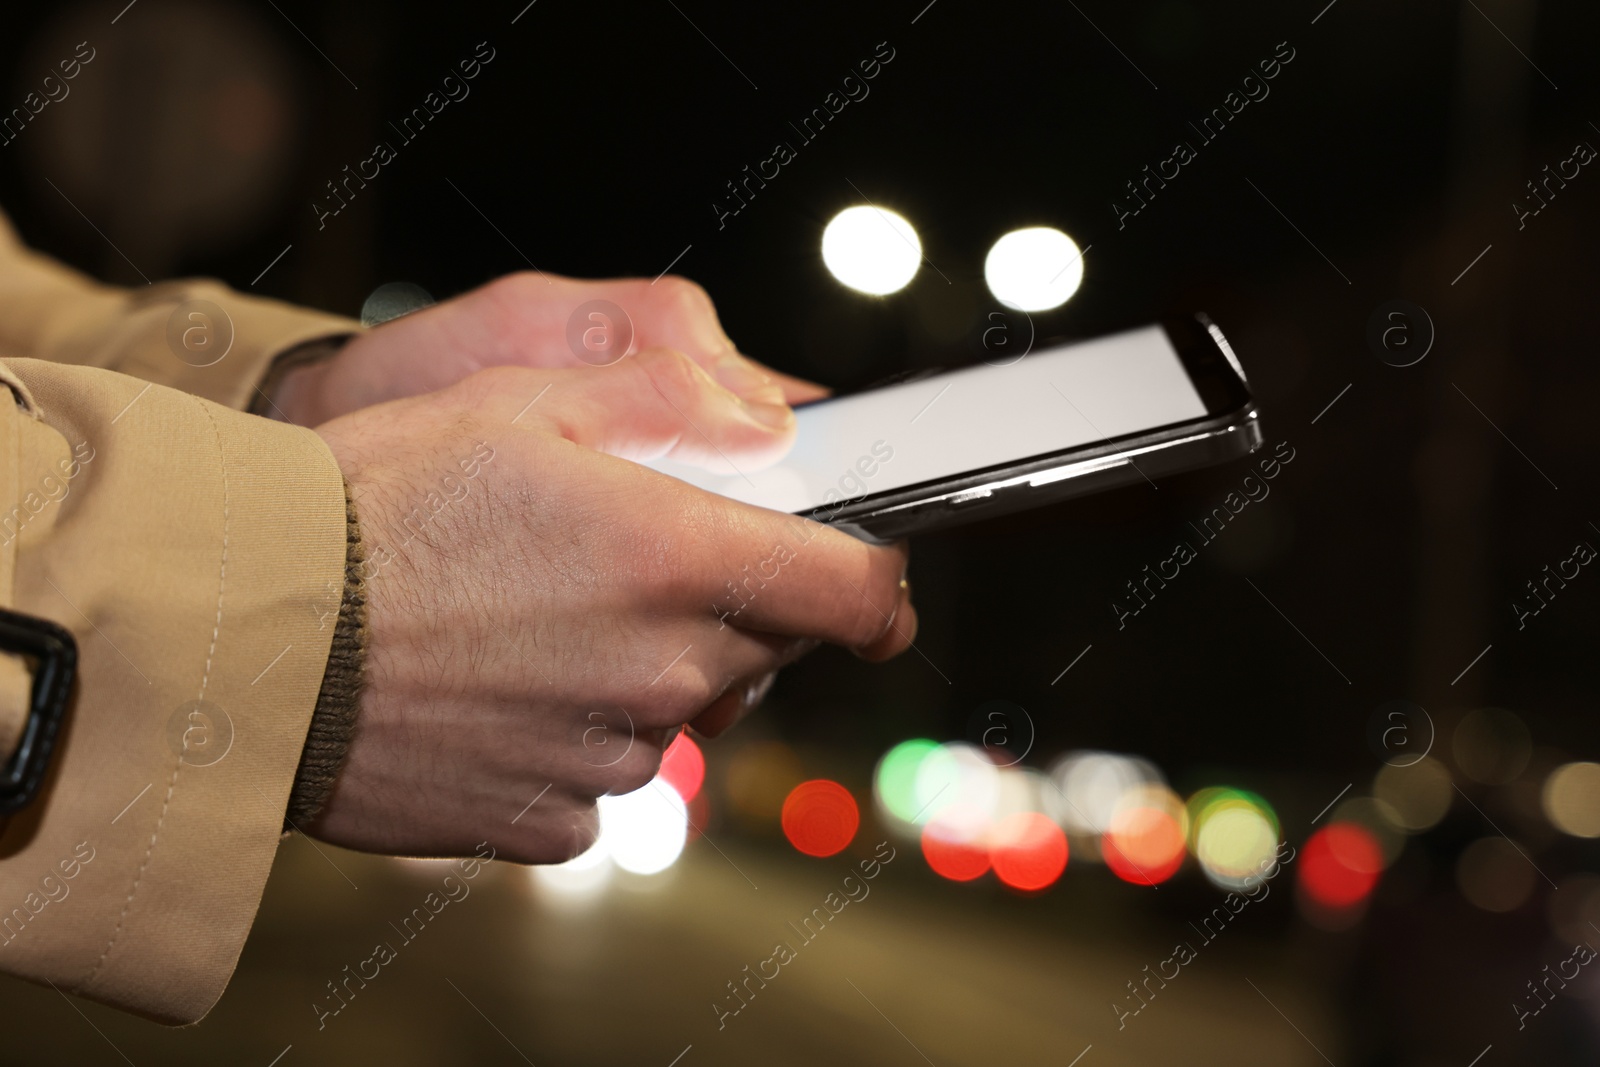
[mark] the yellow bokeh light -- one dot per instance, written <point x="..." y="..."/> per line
<point x="1572" y="799"/>
<point x="1235" y="836"/>
<point x="1419" y="793"/>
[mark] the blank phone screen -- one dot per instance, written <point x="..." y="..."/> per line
<point x="968" y="420"/>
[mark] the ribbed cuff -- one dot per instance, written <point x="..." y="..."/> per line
<point x="335" y="717"/>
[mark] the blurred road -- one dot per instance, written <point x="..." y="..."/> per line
<point x="913" y="972"/>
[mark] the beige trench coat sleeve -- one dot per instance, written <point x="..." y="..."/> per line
<point x="197" y="555"/>
<point x="162" y="333"/>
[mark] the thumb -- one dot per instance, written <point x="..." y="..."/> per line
<point x="655" y="404"/>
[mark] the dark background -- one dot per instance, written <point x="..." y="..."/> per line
<point x="595" y="143"/>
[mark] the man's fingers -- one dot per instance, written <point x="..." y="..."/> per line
<point x="668" y="312"/>
<point x="720" y="659"/>
<point x="673" y="312"/>
<point x="796" y="390"/>
<point x="655" y="404"/>
<point x="732" y="705"/>
<point x="788" y="575"/>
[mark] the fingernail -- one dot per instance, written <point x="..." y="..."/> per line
<point x="736" y="374"/>
<point x="773" y="416"/>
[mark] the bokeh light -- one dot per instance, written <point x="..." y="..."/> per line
<point x="871" y="250"/>
<point x="958" y="861"/>
<point x="1339" y="866"/>
<point x="1572" y="799"/>
<point x="644" y="831"/>
<point x="820" y="817"/>
<point x="1018" y="789"/>
<point x="1493" y="874"/>
<point x="958" y="789"/>
<point x="1035" y="269"/>
<point x="1090" y="786"/>
<point x="1144" y="845"/>
<point x="683" y="767"/>
<point x="1028" y="851"/>
<point x="1235" y="835"/>
<point x="1381" y="822"/>
<point x="583" y="875"/>
<point x="1492" y="746"/>
<point x="894" y="783"/>
<point x="1419" y="793"/>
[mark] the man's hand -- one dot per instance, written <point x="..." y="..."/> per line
<point x="544" y="616"/>
<point x="521" y="320"/>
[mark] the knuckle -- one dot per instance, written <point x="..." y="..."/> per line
<point x="585" y="823"/>
<point x="492" y="381"/>
<point x="635" y="772"/>
<point x="684" y="296"/>
<point x="672" y="372"/>
<point x="517" y="285"/>
<point x="673" y="557"/>
<point x="564" y="832"/>
<point x="684" y="693"/>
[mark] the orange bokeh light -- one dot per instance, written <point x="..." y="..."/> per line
<point x="1144" y="846"/>
<point x="820" y="817"/>
<point x="1029" y="851"/>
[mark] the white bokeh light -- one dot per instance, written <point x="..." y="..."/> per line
<point x="871" y="249"/>
<point x="1034" y="269"/>
<point x="958" y="789"/>
<point x="644" y="831"/>
<point x="580" y="876"/>
<point x="1090" y="788"/>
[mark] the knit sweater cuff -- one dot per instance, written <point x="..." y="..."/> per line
<point x="335" y="717"/>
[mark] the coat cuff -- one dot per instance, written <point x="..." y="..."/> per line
<point x="196" y="554"/>
<point x="335" y="718"/>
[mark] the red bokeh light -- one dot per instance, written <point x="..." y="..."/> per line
<point x="1030" y="851"/>
<point x="1143" y="846"/>
<point x="683" y="767"/>
<point x="954" y="860"/>
<point x="820" y="817"/>
<point x="1339" y="865"/>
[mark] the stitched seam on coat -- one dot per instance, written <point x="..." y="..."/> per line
<point x="205" y="678"/>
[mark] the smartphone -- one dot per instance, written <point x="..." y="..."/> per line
<point x="958" y="446"/>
